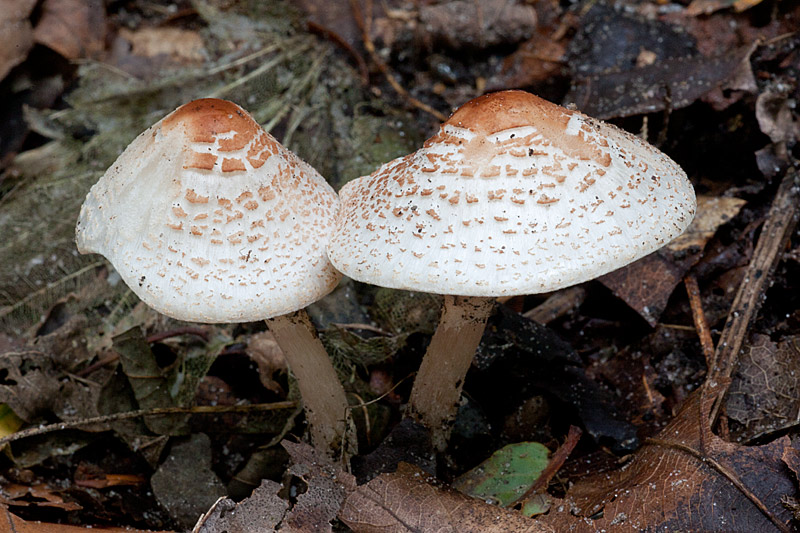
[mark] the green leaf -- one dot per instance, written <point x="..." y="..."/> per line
<point x="506" y="475"/>
<point x="9" y="421"/>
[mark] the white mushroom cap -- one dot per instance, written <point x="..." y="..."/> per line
<point x="209" y="219"/>
<point x="514" y="195"/>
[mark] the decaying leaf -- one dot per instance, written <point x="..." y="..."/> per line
<point x="626" y="65"/>
<point x="764" y="396"/>
<point x="11" y="522"/>
<point x="409" y="500"/>
<point x="776" y="115"/>
<point x="536" y="60"/>
<point x="685" y="479"/>
<point x="611" y="38"/>
<point x="184" y="484"/>
<point x="407" y="442"/>
<point x="264" y="350"/>
<point x="323" y="498"/>
<point x="39" y="495"/>
<point x="73" y="28"/>
<point x="647" y="284"/>
<point x="29" y="383"/>
<point x="712" y="212"/>
<point x="464" y="23"/>
<point x="673" y="83"/>
<point x="524" y="357"/>
<point x="262" y="511"/>
<point x="154" y="386"/>
<point x="16" y="36"/>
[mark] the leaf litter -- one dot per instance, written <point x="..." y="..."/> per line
<point x="634" y="389"/>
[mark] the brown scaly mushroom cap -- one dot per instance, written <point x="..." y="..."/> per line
<point x="514" y="195"/>
<point x="209" y="219"/>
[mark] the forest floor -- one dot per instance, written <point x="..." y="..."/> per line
<point x="662" y="396"/>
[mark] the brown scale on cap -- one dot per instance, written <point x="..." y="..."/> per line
<point x="505" y="110"/>
<point x="227" y="129"/>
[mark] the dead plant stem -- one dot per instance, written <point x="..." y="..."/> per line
<point x="775" y="233"/>
<point x="364" y="24"/>
<point x="699" y="317"/>
<point x="159" y="411"/>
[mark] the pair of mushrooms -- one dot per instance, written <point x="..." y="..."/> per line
<point x="513" y="195"/>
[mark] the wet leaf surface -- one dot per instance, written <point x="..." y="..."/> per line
<point x="319" y="504"/>
<point x="262" y="511"/>
<point x="409" y="500"/>
<point x="713" y="85"/>
<point x="686" y="478"/>
<point x="764" y="397"/>
<point x="519" y="356"/>
<point x="184" y="484"/>
<point x="505" y="476"/>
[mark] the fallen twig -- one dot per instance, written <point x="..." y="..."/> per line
<point x="159" y="411"/>
<point x="335" y="38"/>
<point x="699" y="317"/>
<point x="364" y="24"/>
<point x="778" y="227"/>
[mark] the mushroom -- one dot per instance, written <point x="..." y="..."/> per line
<point x="209" y="219"/>
<point x="514" y="195"/>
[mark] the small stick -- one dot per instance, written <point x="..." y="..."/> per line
<point x="699" y="317"/>
<point x="159" y="411"/>
<point x="364" y="26"/>
<point x="554" y="465"/>
<point x="337" y="39"/>
<point x="775" y="233"/>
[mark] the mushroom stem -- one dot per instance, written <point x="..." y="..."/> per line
<point x="437" y="387"/>
<point x="323" y="397"/>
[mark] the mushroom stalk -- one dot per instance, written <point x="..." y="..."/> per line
<point x="437" y="387"/>
<point x="324" y="399"/>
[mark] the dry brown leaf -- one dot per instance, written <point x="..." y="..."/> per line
<point x="182" y="46"/>
<point x="73" y="28"/>
<point x="12" y="523"/>
<point x="647" y="284"/>
<point x="316" y="507"/>
<point x="776" y="116"/>
<point x="264" y="350"/>
<point x="16" y="34"/>
<point x="712" y="212"/>
<point x="39" y="495"/>
<point x="408" y="500"/>
<point x="686" y="479"/>
<point x="259" y="513"/>
<point x="536" y="60"/>
<point x="706" y="7"/>
<point x="764" y="396"/>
